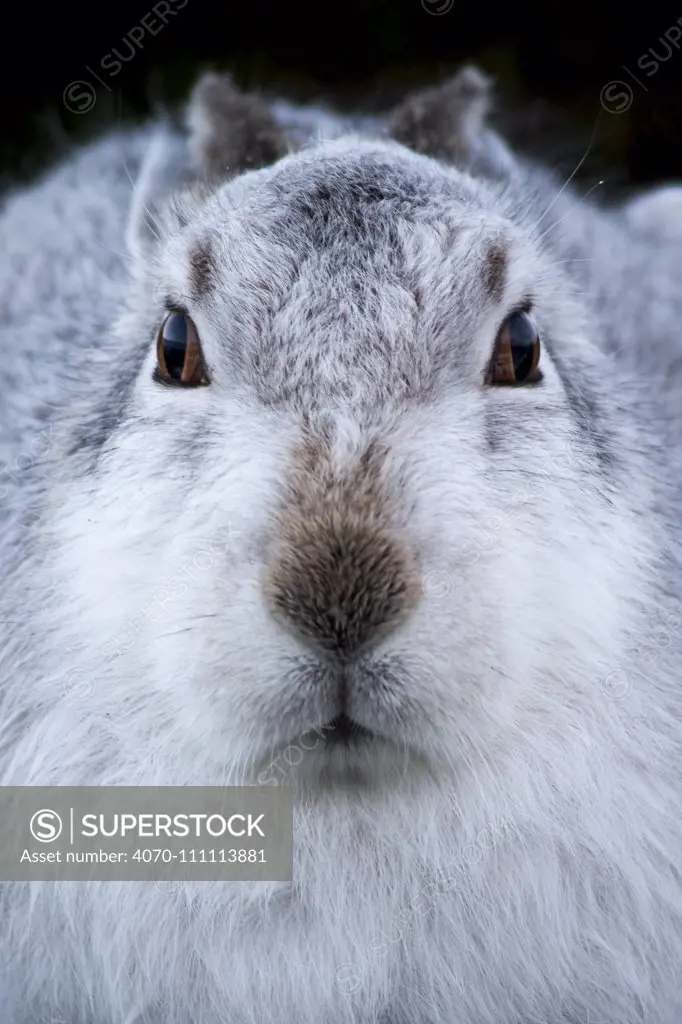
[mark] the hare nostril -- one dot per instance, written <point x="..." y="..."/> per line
<point x="341" y="585"/>
<point x="344" y="730"/>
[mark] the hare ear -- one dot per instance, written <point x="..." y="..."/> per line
<point x="166" y="168"/>
<point x="230" y="131"/>
<point x="449" y="122"/>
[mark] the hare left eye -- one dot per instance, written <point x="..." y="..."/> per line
<point x="516" y="353"/>
<point x="178" y="352"/>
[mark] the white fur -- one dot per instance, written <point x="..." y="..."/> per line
<point x="658" y="212"/>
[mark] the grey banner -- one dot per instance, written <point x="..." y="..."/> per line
<point x="146" y="833"/>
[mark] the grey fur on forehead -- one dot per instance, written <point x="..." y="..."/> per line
<point x="348" y="208"/>
<point x="362" y="232"/>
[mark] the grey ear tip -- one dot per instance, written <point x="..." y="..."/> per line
<point x="228" y="130"/>
<point x="470" y="85"/>
<point x="211" y="89"/>
<point x="446" y="120"/>
<point x="471" y="77"/>
<point x="469" y="89"/>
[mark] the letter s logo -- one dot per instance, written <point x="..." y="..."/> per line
<point x="45" y="826"/>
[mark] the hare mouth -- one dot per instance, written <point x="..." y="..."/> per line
<point x="342" y="729"/>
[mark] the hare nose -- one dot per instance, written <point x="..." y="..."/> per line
<point x="341" y="584"/>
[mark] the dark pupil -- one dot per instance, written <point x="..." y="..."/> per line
<point x="522" y="338"/>
<point x="175" y="344"/>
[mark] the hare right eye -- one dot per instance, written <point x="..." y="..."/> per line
<point x="517" y="352"/>
<point x="180" y="360"/>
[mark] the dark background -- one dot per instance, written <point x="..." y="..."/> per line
<point x="552" y="63"/>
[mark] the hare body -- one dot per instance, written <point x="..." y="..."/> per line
<point x="504" y="848"/>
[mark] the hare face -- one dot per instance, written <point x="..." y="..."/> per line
<point x="326" y="509"/>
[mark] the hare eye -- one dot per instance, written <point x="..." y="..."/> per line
<point x="178" y="351"/>
<point x="517" y="352"/>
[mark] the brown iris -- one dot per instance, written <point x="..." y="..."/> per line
<point x="516" y="353"/>
<point x="178" y="351"/>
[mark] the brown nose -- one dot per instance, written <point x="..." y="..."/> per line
<point x="341" y="583"/>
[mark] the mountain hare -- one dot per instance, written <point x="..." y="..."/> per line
<point x="344" y="454"/>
